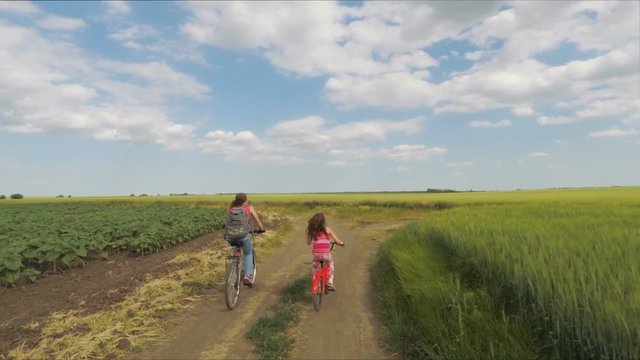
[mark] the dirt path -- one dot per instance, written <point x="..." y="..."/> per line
<point x="345" y="327"/>
<point x="345" y="324"/>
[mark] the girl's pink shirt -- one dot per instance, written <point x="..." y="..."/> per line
<point x="322" y="243"/>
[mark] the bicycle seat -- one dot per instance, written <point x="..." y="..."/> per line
<point x="235" y="243"/>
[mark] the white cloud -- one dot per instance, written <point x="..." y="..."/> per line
<point x="374" y="130"/>
<point x="146" y="38"/>
<point x="55" y="22"/>
<point x="393" y="90"/>
<point x="117" y="7"/>
<point x="302" y="140"/>
<point x="337" y="163"/>
<point x="414" y="152"/>
<point x="474" y="56"/>
<point x="556" y="120"/>
<point x="613" y="133"/>
<point x="490" y="124"/>
<point x="523" y="110"/>
<point x="48" y="85"/>
<point x="632" y="119"/>
<point x="134" y="32"/>
<point x="538" y="154"/>
<point x="19" y="7"/>
<point x="464" y="164"/>
<point x="374" y="54"/>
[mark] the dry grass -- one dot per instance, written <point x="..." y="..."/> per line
<point x="136" y="321"/>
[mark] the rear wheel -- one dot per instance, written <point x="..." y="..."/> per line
<point x="232" y="283"/>
<point x="317" y="297"/>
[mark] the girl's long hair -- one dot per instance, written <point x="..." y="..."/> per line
<point x="239" y="200"/>
<point x="316" y="225"/>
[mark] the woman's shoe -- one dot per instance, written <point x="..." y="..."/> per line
<point x="248" y="279"/>
<point x="331" y="287"/>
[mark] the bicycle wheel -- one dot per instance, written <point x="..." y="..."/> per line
<point x="232" y="283"/>
<point x="317" y="297"/>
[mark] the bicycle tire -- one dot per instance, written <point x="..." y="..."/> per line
<point x="232" y="284"/>
<point x="317" y="297"/>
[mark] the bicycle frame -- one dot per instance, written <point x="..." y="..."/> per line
<point x="322" y="274"/>
<point x="319" y="284"/>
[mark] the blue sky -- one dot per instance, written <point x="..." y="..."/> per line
<point x="108" y="98"/>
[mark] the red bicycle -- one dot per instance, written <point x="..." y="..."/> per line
<point x="319" y="284"/>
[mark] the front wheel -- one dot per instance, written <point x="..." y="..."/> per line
<point x="317" y="297"/>
<point x="232" y="283"/>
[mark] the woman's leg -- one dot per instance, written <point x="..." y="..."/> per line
<point x="247" y="248"/>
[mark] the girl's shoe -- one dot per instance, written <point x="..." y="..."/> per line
<point x="331" y="287"/>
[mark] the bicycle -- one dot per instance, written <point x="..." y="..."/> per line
<point x="319" y="284"/>
<point x="235" y="273"/>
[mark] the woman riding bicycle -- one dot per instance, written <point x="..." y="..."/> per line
<point x="321" y="235"/>
<point x="238" y="230"/>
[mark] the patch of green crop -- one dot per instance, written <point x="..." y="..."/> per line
<point x="570" y="270"/>
<point x="38" y="237"/>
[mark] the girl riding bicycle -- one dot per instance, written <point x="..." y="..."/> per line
<point x="321" y="235"/>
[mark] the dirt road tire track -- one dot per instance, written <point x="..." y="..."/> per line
<point x="211" y="331"/>
<point x="345" y="328"/>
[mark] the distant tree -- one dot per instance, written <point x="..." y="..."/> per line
<point x="2" y="197"/>
<point x="132" y="195"/>
<point x="17" y="196"/>
<point x="144" y="195"/>
<point x="60" y="196"/>
<point x="68" y="196"/>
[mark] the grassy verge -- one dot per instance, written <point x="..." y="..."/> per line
<point x="429" y="312"/>
<point x="515" y="280"/>
<point x="269" y="334"/>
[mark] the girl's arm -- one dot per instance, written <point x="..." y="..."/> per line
<point x="255" y="217"/>
<point x="334" y="236"/>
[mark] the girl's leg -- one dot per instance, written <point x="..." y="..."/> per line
<point x="329" y="262"/>
<point x="315" y="264"/>
<point x="247" y="248"/>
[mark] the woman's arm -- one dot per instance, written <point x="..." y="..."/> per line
<point x="255" y="217"/>
<point x="334" y="236"/>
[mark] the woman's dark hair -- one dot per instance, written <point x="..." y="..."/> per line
<point x="239" y="200"/>
<point x="316" y="225"/>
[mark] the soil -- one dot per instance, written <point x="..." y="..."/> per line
<point x="344" y="328"/>
<point x="96" y="285"/>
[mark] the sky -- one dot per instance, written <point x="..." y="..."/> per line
<point x="113" y="98"/>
